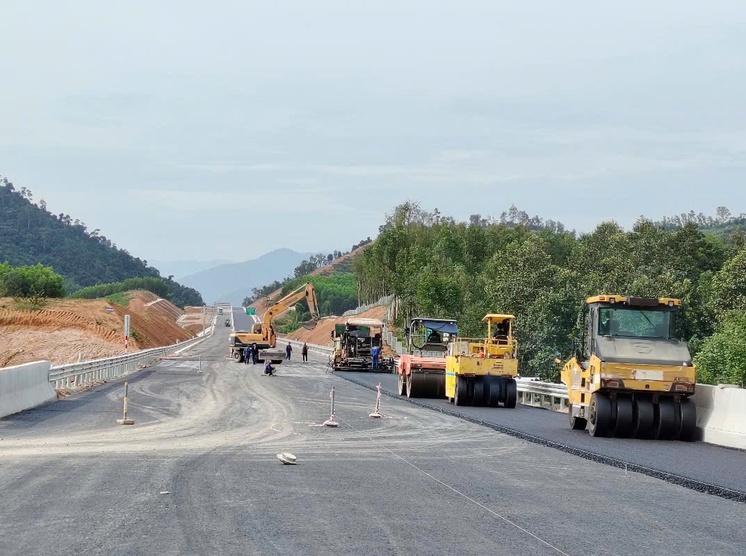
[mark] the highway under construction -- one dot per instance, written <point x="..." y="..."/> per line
<point x="198" y="472"/>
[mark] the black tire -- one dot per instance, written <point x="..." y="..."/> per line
<point x="667" y="422"/>
<point x="429" y="385"/>
<point x="493" y="387"/>
<point x="438" y="386"/>
<point x="401" y="385"/>
<point x="643" y="417"/>
<point x="577" y="423"/>
<point x="688" y="412"/>
<point x="479" y="391"/>
<point x="599" y="415"/>
<point x="511" y="393"/>
<point x="624" y="425"/>
<point x="503" y="397"/>
<point x="411" y="386"/>
<point x="460" y="397"/>
<point x="237" y="357"/>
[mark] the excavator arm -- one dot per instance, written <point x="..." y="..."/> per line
<point x="305" y="291"/>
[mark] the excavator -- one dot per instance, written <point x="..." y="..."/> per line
<point x="262" y="334"/>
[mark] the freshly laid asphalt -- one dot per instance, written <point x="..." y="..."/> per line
<point x="198" y="474"/>
<point x="701" y="462"/>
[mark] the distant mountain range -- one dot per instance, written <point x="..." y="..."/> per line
<point x="177" y="269"/>
<point x="232" y="282"/>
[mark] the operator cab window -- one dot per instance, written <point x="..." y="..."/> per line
<point x="635" y="323"/>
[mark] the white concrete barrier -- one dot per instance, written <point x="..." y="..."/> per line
<point x="25" y="386"/>
<point x="721" y="415"/>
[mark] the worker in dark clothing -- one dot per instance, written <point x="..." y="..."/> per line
<point x="248" y="355"/>
<point x="304" y="351"/>
<point x="501" y="331"/>
<point x="288" y="351"/>
<point x="269" y="369"/>
<point x="255" y="354"/>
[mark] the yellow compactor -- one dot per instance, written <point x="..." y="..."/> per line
<point x="631" y="376"/>
<point x="482" y="371"/>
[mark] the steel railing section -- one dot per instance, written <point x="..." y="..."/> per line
<point x="86" y="372"/>
<point x="548" y="395"/>
<point x="393" y="342"/>
<point x="386" y="300"/>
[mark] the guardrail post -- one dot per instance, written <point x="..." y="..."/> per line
<point x="330" y="422"/>
<point x="124" y="420"/>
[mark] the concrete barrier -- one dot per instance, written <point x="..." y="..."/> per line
<point x="25" y="386"/>
<point x="721" y="415"/>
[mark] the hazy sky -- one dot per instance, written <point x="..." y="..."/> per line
<point x="225" y="129"/>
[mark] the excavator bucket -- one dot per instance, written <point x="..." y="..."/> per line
<point x="310" y="324"/>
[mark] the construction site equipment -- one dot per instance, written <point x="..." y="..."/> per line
<point x="483" y="371"/>
<point x="262" y="334"/>
<point x="422" y="370"/>
<point x="354" y="341"/>
<point x="631" y="376"/>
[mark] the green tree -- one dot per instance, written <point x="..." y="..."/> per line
<point x="30" y="281"/>
<point x="722" y="357"/>
<point x="729" y="285"/>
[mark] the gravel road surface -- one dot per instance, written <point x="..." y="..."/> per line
<point x="198" y="474"/>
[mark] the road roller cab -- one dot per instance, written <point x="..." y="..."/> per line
<point x="422" y="370"/>
<point x="631" y="376"/>
<point x="482" y="371"/>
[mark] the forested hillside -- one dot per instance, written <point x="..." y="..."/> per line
<point x="30" y="234"/>
<point x="541" y="273"/>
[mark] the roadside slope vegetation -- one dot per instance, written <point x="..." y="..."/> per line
<point x="542" y="273"/>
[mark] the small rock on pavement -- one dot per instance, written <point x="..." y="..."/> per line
<point x="287" y="458"/>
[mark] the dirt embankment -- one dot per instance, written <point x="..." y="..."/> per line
<point x="65" y="329"/>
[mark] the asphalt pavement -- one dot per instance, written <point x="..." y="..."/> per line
<point x="701" y="462"/>
<point x="198" y="474"/>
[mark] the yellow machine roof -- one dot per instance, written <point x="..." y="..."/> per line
<point x="612" y="298"/>
<point x="495" y="317"/>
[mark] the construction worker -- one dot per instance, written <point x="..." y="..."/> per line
<point x="248" y="355"/>
<point x="304" y="351"/>
<point x="268" y="368"/>
<point x="288" y="351"/>
<point x="501" y="332"/>
<point x="375" y="352"/>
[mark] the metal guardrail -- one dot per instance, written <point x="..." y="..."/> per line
<point x="393" y="342"/>
<point x="547" y="395"/>
<point x="79" y="374"/>
<point x="383" y="301"/>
